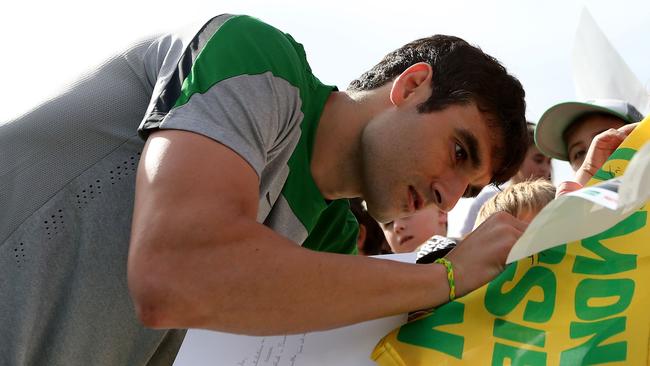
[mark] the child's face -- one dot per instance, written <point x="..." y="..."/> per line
<point x="535" y="165"/>
<point x="578" y="136"/>
<point x="406" y="234"/>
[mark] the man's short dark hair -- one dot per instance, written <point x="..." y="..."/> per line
<point x="463" y="74"/>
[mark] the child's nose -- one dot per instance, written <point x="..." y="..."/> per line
<point x="399" y="226"/>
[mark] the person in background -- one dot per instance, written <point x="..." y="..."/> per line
<point x="535" y="165"/>
<point x="523" y="200"/>
<point x="601" y="147"/>
<point x="371" y="239"/>
<point x="565" y="130"/>
<point x="406" y="234"/>
<point x="526" y="199"/>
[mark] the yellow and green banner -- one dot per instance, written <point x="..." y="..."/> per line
<point x="582" y="303"/>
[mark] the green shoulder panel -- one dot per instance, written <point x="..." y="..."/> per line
<point x="247" y="46"/>
<point x="336" y="230"/>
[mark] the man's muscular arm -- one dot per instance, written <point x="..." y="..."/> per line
<point x="199" y="259"/>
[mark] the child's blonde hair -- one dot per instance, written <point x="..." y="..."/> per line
<point x="527" y="196"/>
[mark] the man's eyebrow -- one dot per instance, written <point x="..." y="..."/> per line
<point x="471" y="144"/>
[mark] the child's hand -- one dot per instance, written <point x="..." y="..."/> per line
<point x="602" y="146"/>
<point x="481" y="256"/>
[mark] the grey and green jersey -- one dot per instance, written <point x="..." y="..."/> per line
<point x="248" y="86"/>
<point x="67" y="182"/>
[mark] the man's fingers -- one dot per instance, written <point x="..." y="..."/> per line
<point x="519" y="225"/>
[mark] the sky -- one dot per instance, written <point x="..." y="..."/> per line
<point x="46" y="45"/>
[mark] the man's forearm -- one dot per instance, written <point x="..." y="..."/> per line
<point x="264" y="284"/>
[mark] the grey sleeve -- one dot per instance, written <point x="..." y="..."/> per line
<point x="253" y="115"/>
<point x="47" y="147"/>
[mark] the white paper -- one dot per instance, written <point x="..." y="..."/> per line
<point x="604" y="194"/>
<point x="346" y="346"/>
<point x="600" y="72"/>
<point x="588" y="211"/>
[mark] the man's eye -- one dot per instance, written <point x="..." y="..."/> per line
<point x="460" y="153"/>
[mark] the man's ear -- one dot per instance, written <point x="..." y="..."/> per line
<point x="415" y="78"/>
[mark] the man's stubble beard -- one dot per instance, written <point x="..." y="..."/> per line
<point x="375" y="180"/>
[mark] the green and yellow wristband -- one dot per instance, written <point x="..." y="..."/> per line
<point x="450" y="276"/>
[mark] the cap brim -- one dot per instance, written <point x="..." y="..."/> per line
<point x="551" y="126"/>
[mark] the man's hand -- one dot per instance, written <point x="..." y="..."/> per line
<point x="601" y="147"/>
<point x="199" y="258"/>
<point x="481" y="256"/>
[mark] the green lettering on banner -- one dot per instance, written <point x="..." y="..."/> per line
<point x="422" y="333"/>
<point x="501" y="304"/>
<point x="611" y="262"/>
<point x="553" y="255"/>
<point x="518" y="333"/>
<point x="624" y="153"/>
<point x="587" y="289"/>
<point x="592" y="352"/>
<point x="517" y="356"/>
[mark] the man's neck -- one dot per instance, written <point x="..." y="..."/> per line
<point x="336" y="159"/>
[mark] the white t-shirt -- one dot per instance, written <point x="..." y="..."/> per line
<point x="486" y="193"/>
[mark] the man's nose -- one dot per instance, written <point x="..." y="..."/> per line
<point x="450" y="191"/>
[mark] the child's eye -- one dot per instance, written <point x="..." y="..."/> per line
<point x="460" y="153"/>
<point x="387" y="225"/>
<point x="539" y="159"/>
<point x="579" y="155"/>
